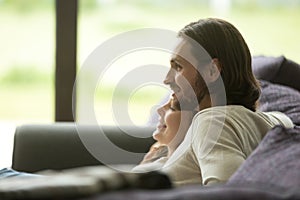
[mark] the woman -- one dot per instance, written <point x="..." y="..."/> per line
<point x="211" y="71"/>
<point x="171" y="129"/>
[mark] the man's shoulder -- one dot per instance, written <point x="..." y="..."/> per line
<point x="222" y="111"/>
<point x="226" y="120"/>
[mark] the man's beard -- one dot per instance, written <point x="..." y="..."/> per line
<point x="200" y="91"/>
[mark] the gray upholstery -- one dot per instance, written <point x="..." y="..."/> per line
<point x="274" y="163"/>
<point x="59" y="146"/>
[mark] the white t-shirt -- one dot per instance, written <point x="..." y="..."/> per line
<point x="218" y="141"/>
<point x="154" y="159"/>
<point x="152" y="166"/>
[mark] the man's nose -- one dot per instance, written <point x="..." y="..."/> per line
<point x="169" y="77"/>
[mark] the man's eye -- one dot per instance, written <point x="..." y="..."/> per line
<point x="177" y="67"/>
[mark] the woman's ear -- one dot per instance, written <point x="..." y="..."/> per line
<point x="214" y="70"/>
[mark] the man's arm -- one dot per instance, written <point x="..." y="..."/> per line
<point x="217" y="148"/>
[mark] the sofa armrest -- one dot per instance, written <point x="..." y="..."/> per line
<point x="59" y="145"/>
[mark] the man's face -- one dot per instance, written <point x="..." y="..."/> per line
<point x="183" y="78"/>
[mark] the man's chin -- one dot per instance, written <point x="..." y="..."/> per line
<point x="178" y="95"/>
<point x="187" y="103"/>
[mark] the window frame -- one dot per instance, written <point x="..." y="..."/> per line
<point x="65" y="59"/>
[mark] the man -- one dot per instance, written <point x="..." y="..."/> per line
<point x="211" y="71"/>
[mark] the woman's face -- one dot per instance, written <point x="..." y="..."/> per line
<point x="170" y="122"/>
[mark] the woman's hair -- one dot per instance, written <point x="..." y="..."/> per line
<point x="224" y="42"/>
<point x="174" y="103"/>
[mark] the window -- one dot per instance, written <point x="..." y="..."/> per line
<point x="270" y="28"/>
<point x="27" y="66"/>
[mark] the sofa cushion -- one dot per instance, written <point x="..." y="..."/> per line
<point x="275" y="162"/>
<point x="281" y="98"/>
<point x="279" y="70"/>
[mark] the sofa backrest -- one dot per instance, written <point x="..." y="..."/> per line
<point x="60" y="146"/>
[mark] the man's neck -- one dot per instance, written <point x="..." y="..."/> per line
<point x="206" y="102"/>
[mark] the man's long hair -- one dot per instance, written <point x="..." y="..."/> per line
<point x="224" y="42"/>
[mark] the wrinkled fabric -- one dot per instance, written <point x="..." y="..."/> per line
<point x="275" y="162"/>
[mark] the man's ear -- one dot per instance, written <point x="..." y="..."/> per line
<point x="214" y="70"/>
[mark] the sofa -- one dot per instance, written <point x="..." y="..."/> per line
<point x="270" y="172"/>
<point x="58" y="146"/>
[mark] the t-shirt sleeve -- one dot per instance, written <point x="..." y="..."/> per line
<point x="217" y="148"/>
<point x="280" y="118"/>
